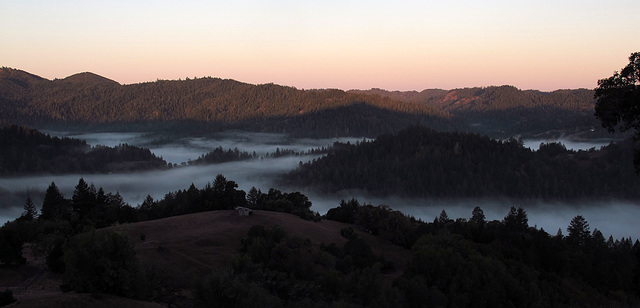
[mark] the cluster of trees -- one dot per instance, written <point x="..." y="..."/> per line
<point x="28" y="151"/>
<point x="618" y="102"/>
<point x="275" y="269"/>
<point x="219" y="155"/>
<point x="223" y="194"/>
<point x="59" y="219"/>
<point x="276" y="201"/>
<point x="480" y="263"/>
<point x="420" y="162"/>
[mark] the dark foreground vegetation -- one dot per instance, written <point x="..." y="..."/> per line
<point x="463" y="262"/>
<point x="420" y="162"/>
<point x="28" y="151"/>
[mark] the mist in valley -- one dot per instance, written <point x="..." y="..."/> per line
<point x="572" y="144"/>
<point x="610" y="217"/>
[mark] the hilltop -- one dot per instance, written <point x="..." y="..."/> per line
<point x="89" y="79"/>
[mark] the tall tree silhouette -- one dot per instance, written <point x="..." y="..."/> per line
<point x="54" y="205"/>
<point x="618" y="101"/>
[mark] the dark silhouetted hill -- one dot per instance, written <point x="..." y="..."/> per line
<point x="420" y="162"/>
<point x="88" y="78"/>
<point x="210" y="104"/>
<point x="28" y="151"/>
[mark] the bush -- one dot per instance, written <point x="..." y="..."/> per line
<point x="102" y="261"/>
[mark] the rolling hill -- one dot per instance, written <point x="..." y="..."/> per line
<point x="185" y="247"/>
<point x="206" y="104"/>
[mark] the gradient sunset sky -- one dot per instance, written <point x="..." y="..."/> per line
<point x="394" y="45"/>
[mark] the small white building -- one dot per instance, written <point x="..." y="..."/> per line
<point x="243" y="211"/>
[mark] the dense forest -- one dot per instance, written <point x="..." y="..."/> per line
<point x="28" y="151"/>
<point x="506" y="111"/>
<point x="492" y="98"/>
<point x="463" y="262"/>
<point x="420" y="162"/>
<point x="201" y="103"/>
<point x="208" y="104"/>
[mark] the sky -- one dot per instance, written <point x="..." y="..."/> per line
<point x="393" y="45"/>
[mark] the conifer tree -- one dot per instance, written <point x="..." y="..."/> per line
<point x="54" y="206"/>
<point x="30" y="211"/>
<point x="578" y="230"/>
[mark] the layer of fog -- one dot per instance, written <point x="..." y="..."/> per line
<point x="185" y="149"/>
<point x="618" y="219"/>
<point x="611" y="218"/>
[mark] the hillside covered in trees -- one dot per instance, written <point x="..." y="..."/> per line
<point x="357" y="255"/>
<point x="420" y="162"/>
<point x="194" y="104"/>
<point x="206" y="104"/>
<point x="28" y="151"/>
<point x="506" y="111"/>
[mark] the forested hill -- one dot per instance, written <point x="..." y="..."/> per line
<point x="492" y="98"/>
<point x="419" y="162"/>
<point x="206" y="104"/>
<point x="213" y="102"/>
<point x="506" y="111"/>
<point x="28" y="151"/>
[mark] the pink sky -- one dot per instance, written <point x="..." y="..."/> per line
<point x="404" y="45"/>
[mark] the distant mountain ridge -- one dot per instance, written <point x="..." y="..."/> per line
<point x="207" y="104"/>
<point x="491" y="98"/>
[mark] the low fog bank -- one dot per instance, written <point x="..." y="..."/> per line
<point x="185" y="149"/>
<point x="611" y="218"/>
<point x="134" y="187"/>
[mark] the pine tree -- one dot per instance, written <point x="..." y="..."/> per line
<point x="54" y="206"/>
<point x="83" y="199"/>
<point x="444" y="218"/>
<point x="30" y="211"/>
<point x="578" y="231"/>
<point x="477" y="216"/>
<point x="516" y="219"/>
